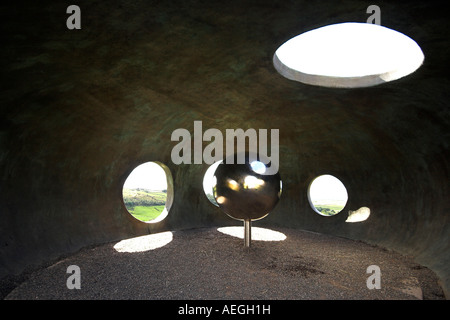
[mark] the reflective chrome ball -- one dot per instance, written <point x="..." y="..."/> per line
<point x="243" y="192"/>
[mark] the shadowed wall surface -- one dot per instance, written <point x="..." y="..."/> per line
<point x="80" y="109"/>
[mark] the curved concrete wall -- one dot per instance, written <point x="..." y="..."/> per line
<point x="80" y="109"/>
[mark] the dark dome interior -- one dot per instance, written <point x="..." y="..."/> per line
<point x="80" y="109"/>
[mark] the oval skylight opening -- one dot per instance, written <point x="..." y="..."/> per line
<point x="348" y="55"/>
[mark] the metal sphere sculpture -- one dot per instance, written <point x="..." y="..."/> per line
<point x="244" y="192"/>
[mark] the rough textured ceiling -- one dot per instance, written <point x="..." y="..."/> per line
<point x="80" y="109"/>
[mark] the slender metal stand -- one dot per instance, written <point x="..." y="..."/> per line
<point x="247" y="233"/>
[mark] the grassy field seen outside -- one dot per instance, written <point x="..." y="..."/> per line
<point x="329" y="207"/>
<point x="146" y="213"/>
<point x="144" y="204"/>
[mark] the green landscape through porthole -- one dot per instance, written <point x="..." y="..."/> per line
<point x="145" y="192"/>
<point x="327" y="195"/>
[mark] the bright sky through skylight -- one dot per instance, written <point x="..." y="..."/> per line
<point x="351" y="50"/>
<point x="327" y="187"/>
<point x="148" y="175"/>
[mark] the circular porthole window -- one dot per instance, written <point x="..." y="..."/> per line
<point x="348" y="55"/>
<point x="209" y="182"/>
<point x="147" y="192"/>
<point x="327" y="195"/>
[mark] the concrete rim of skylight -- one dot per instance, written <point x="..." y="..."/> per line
<point x="348" y="55"/>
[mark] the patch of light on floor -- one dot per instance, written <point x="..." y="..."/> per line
<point x="359" y="215"/>
<point x="144" y="243"/>
<point x="258" y="234"/>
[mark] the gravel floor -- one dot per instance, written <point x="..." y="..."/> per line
<point x="212" y="264"/>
